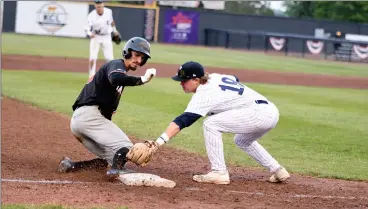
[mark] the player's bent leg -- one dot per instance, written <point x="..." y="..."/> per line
<point x="101" y="136"/>
<point x="256" y="151"/>
<point x="267" y="119"/>
<point x="67" y="165"/>
<point x="231" y="121"/>
<point x="214" y="147"/>
<point x="92" y="68"/>
<point x="108" y="50"/>
<point x="214" y="144"/>
<point x="94" y="47"/>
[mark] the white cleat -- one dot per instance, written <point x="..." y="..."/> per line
<point x="280" y="175"/>
<point x="214" y="177"/>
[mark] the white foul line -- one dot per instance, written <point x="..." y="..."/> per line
<point x="298" y="195"/>
<point x="301" y="196"/>
<point x="44" y="181"/>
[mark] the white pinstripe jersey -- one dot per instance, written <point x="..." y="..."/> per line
<point x="221" y="93"/>
<point x="100" y="25"/>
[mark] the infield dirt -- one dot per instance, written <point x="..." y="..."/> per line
<point x="34" y="140"/>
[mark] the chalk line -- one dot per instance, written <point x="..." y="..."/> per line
<point x="300" y="196"/>
<point x="44" y="181"/>
<point x="297" y="195"/>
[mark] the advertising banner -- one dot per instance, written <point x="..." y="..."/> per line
<point x="181" y="27"/>
<point x="315" y="47"/>
<point x="51" y="18"/>
<point x="277" y="43"/>
<point x="149" y="24"/>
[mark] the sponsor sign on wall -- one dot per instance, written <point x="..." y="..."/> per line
<point x="315" y="47"/>
<point x="277" y="43"/>
<point x="181" y="27"/>
<point x="361" y="50"/>
<point x="149" y="25"/>
<point x="51" y="18"/>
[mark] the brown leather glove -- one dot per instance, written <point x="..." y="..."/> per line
<point x="141" y="153"/>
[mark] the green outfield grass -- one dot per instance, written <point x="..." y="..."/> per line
<point x="75" y="47"/>
<point x="322" y="132"/>
<point x="28" y="206"/>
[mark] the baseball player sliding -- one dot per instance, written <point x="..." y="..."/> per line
<point x="99" y="99"/>
<point x="100" y="26"/>
<point x="231" y="108"/>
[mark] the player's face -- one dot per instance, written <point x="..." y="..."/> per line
<point x="99" y="8"/>
<point x="136" y="60"/>
<point x="190" y="86"/>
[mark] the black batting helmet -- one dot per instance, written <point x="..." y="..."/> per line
<point x="137" y="44"/>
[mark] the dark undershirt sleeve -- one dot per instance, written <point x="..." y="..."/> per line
<point x="120" y="78"/>
<point x="186" y="119"/>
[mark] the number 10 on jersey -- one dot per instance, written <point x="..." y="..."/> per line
<point x="233" y="85"/>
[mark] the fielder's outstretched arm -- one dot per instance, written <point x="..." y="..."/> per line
<point x="184" y="120"/>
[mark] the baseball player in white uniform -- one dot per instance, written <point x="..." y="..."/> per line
<point x="100" y="26"/>
<point x="231" y="107"/>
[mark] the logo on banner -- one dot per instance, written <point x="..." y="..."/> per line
<point x="361" y="50"/>
<point x="52" y="17"/>
<point x="183" y="26"/>
<point x="277" y="43"/>
<point x="315" y="47"/>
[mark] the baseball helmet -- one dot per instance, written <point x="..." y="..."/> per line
<point x="137" y="44"/>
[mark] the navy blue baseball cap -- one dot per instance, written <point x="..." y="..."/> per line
<point x="188" y="71"/>
<point x="98" y="1"/>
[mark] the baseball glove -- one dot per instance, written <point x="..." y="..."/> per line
<point x="141" y="153"/>
<point x="116" y="38"/>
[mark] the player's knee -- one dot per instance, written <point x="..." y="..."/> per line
<point x="243" y="141"/>
<point x="239" y="140"/>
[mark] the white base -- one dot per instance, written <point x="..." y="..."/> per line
<point x="145" y="179"/>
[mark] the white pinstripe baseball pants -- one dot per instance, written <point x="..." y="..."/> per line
<point x="248" y="125"/>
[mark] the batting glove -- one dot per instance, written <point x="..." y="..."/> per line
<point x="149" y="75"/>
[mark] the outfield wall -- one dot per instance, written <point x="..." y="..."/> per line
<point x="132" y="22"/>
<point x="219" y="20"/>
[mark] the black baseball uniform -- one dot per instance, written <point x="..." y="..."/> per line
<point x="91" y="121"/>
<point x="106" y="87"/>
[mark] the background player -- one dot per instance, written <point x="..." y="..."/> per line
<point x="100" y="26"/>
<point x="231" y="108"/>
<point x="93" y="109"/>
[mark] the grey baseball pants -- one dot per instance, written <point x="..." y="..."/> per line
<point x="98" y="134"/>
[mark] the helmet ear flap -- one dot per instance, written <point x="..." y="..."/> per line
<point x="127" y="54"/>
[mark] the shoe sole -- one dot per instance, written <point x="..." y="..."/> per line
<point x="278" y="180"/>
<point x="212" y="182"/>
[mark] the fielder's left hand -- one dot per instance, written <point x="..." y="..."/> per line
<point x="141" y="153"/>
<point x="115" y="37"/>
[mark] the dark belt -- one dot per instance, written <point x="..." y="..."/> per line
<point x="261" y="102"/>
